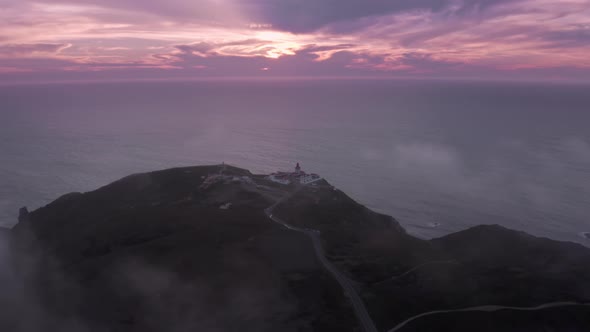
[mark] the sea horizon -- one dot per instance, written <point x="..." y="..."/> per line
<point x="438" y="156"/>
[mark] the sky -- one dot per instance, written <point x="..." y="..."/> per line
<point x="60" y="40"/>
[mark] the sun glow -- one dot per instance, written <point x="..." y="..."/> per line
<point x="132" y="33"/>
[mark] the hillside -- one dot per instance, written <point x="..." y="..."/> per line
<point x="193" y="249"/>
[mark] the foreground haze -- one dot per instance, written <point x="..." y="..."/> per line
<point x="135" y="39"/>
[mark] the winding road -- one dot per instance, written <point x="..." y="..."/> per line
<point x="489" y="308"/>
<point x="360" y="310"/>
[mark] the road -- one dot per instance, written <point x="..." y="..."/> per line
<point x="360" y="310"/>
<point x="489" y="308"/>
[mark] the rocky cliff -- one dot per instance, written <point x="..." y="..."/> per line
<point x="191" y="249"/>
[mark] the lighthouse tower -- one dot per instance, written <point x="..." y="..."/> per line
<point x="298" y="169"/>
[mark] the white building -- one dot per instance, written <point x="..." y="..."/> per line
<point x="309" y="178"/>
<point x="297" y="176"/>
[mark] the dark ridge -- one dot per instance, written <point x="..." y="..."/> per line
<point x="192" y="249"/>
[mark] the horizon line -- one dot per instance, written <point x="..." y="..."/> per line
<point x="298" y="78"/>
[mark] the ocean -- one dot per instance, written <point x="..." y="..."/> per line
<point x="438" y="156"/>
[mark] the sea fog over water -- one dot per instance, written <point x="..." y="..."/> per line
<point x="438" y="156"/>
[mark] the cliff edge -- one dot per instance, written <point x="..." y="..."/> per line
<point x="194" y="249"/>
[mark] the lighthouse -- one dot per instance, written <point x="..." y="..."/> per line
<point x="297" y="169"/>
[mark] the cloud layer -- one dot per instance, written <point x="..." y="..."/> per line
<point x="91" y="39"/>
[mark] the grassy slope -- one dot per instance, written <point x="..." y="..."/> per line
<point x="482" y="265"/>
<point x="153" y="252"/>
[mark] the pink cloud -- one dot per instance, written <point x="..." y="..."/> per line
<point x="422" y="38"/>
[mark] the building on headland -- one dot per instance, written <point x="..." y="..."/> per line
<point x="298" y="176"/>
<point x="279" y="178"/>
<point x="309" y="178"/>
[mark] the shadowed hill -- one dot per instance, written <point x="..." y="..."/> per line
<point x="401" y="276"/>
<point x="154" y="252"/>
<point x="192" y="249"/>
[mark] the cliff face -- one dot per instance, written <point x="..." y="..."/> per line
<point x="164" y="251"/>
<point x="154" y="252"/>
<point x="401" y="276"/>
<point x="490" y="265"/>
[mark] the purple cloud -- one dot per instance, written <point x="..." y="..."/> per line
<point x="310" y="15"/>
<point x="260" y="38"/>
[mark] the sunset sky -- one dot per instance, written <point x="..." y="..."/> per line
<point x="54" y="40"/>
